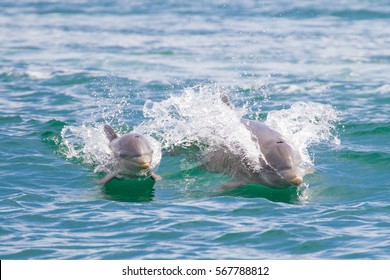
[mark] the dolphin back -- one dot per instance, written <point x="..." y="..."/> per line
<point x="110" y="133"/>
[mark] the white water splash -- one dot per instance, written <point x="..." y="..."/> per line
<point x="199" y="117"/>
<point x="89" y="144"/>
<point x="112" y="104"/>
<point x="305" y="124"/>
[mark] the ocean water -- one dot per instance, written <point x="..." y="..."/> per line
<point x="318" y="72"/>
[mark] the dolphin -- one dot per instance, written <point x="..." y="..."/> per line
<point x="133" y="154"/>
<point x="280" y="163"/>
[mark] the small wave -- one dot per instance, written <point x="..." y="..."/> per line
<point x="12" y="76"/>
<point x="376" y="158"/>
<point x="362" y="14"/>
<point x="363" y="129"/>
<point x="384" y="88"/>
<point x="354" y="14"/>
<point x="10" y="119"/>
<point x="52" y="134"/>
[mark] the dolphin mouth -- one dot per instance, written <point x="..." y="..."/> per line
<point x="291" y="177"/>
<point x="140" y="162"/>
<point x="140" y="165"/>
<point x="144" y="165"/>
<point x="296" y="181"/>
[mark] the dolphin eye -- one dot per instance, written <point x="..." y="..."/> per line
<point x="280" y="142"/>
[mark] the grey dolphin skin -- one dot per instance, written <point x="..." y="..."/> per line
<point x="133" y="153"/>
<point x="280" y="165"/>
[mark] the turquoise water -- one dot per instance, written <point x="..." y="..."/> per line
<point x="80" y="64"/>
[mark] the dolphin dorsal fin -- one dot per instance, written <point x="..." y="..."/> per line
<point x="225" y="99"/>
<point x="110" y="133"/>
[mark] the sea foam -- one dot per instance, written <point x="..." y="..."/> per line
<point x="199" y="117"/>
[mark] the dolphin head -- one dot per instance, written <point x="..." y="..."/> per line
<point x="284" y="161"/>
<point x="134" y="153"/>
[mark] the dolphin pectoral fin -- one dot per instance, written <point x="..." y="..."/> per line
<point x="155" y="177"/>
<point x="232" y="185"/>
<point x="106" y="179"/>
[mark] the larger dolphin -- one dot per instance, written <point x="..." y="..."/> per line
<point x="133" y="154"/>
<point x="280" y="163"/>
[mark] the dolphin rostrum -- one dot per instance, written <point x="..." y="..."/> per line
<point x="133" y="154"/>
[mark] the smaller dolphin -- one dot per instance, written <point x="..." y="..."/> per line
<point x="133" y="153"/>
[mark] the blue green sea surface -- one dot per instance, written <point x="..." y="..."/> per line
<point x="317" y="70"/>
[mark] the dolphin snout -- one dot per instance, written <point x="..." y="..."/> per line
<point x="297" y="181"/>
<point x="142" y="162"/>
<point x="145" y="165"/>
<point x="291" y="176"/>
